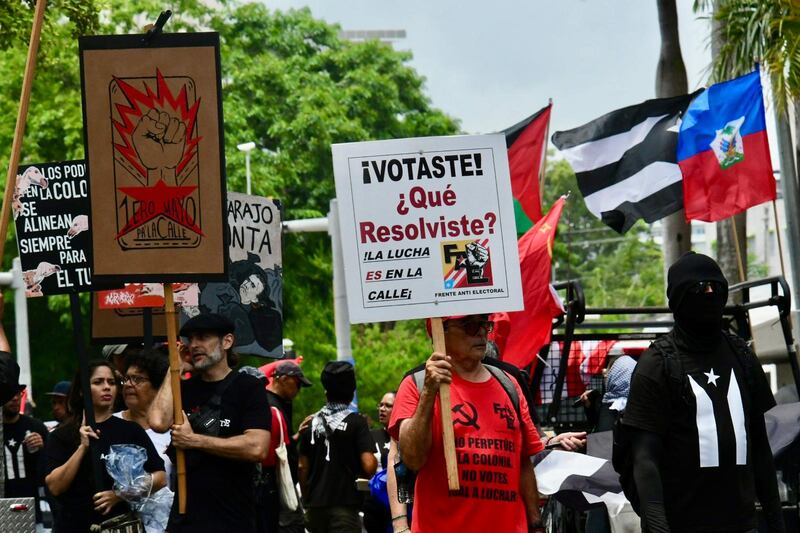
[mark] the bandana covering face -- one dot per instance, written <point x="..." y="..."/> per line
<point x="698" y="315"/>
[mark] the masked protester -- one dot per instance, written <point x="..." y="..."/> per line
<point x="695" y="414"/>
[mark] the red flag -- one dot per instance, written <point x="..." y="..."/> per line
<point x="526" y="142"/>
<point x="519" y="335"/>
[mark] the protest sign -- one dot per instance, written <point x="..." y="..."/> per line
<point x="427" y="227"/>
<point x="51" y="213"/>
<point x="112" y="326"/>
<point x="154" y="142"/>
<point x="253" y="296"/>
<point x="135" y="295"/>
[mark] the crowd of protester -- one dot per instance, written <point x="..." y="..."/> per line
<point x="245" y="461"/>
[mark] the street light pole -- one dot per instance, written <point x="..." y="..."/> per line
<point x="247" y="148"/>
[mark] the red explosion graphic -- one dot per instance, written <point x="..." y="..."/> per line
<point x="162" y="100"/>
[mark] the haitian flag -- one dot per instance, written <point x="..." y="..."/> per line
<point x="723" y="151"/>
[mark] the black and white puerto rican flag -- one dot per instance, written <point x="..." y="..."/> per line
<point x="579" y="481"/>
<point x="626" y="161"/>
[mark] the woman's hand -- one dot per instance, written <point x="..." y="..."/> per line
<point x="104" y="501"/>
<point x="85" y="432"/>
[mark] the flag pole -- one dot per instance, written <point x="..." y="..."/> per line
<point x="22" y="117"/>
<point x="543" y="166"/>
<point x="739" y="261"/>
<point x="449" y="441"/>
<point x="778" y="234"/>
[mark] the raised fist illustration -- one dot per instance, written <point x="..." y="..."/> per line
<point x="159" y="140"/>
<point x="477" y="256"/>
<point x="79" y="223"/>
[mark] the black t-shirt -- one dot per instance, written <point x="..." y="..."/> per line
<point x="24" y="471"/>
<point x="77" y="508"/>
<point x="220" y="493"/>
<point x="707" y="468"/>
<point x="381" y="438"/>
<point x="335" y="465"/>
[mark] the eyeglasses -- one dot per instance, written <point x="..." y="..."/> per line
<point x="134" y="380"/>
<point x="702" y="287"/>
<point x="472" y="327"/>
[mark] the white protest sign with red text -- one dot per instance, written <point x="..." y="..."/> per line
<point x="427" y="227"/>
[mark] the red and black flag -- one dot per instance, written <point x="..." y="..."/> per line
<point x="526" y="142"/>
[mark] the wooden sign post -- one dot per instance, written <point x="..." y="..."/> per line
<point x="449" y="441"/>
<point x="22" y="118"/>
<point x="175" y="381"/>
<point x="427" y="230"/>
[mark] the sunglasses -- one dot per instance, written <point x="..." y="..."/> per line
<point x="702" y="287"/>
<point x="472" y="327"/>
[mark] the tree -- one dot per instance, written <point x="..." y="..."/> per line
<point x="291" y="85"/>
<point x="616" y="271"/>
<point x="766" y="32"/>
<point x="671" y="81"/>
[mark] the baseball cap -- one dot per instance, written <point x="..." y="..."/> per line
<point x="207" y="322"/>
<point x="113" y="349"/>
<point x="60" y="389"/>
<point x="290" y="368"/>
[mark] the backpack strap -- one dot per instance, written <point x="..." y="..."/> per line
<point x="507" y="384"/>
<point x="498" y="374"/>
<point x="673" y="367"/>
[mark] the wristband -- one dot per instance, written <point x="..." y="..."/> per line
<point x="398" y="517"/>
<point x="403" y="530"/>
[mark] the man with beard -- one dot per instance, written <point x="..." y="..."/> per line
<point x="226" y="433"/>
<point x="695" y="417"/>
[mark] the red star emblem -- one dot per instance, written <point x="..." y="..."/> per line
<point x="160" y="199"/>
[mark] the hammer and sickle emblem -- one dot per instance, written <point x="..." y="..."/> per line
<point x="466" y="415"/>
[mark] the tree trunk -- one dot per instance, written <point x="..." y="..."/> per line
<point x="671" y="81"/>
<point x="726" y="246"/>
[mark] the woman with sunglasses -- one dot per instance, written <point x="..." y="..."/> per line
<point x="69" y="466"/>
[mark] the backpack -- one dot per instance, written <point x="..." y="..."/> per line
<point x="505" y="381"/>
<point x="622" y="451"/>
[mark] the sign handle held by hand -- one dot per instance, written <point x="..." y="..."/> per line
<point x="175" y="381"/>
<point x="437" y="331"/>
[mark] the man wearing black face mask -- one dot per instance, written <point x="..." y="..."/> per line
<point x="696" y="417"/>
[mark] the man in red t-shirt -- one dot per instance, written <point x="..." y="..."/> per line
<point x="493" y="444"/>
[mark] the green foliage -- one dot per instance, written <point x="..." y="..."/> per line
<point x="291" y="85"/>
<point x="760" y="31"/>
<point x="615" y="270"/>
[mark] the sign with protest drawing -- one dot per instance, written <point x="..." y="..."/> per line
<point x="154" y="143"/>
<point x="253" y="295"/>
<point x="51" y="213"/>
<point x="427" y="227"/>
<point x="135" y="295"/>
<point x="115" y="325"/>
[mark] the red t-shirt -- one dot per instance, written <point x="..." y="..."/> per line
<point x="275" y="437"/>
<point x="489" y="447"/>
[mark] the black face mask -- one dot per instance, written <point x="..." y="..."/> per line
<point x="700" y="315"/>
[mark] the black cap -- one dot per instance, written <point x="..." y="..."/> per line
<point x="338" y="377"/>
<point x="690" y="269"/>
<point x="207" y="322"/>
<point x="290" y="368"/>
